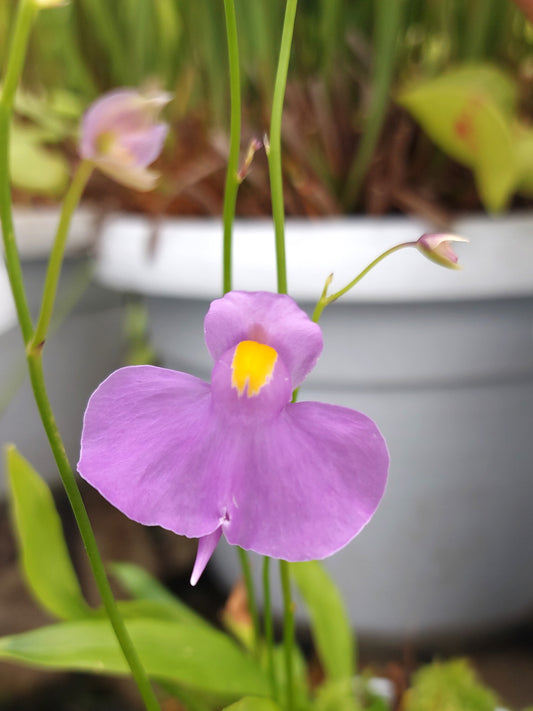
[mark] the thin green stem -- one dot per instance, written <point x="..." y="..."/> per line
<point x="288" y="631"/>
<point x="478" y="29"/>
<point x="388" y="19"/>
<point x="274" y="149"/>
<point x="101" y="22"/>
<point x="230" y="200"/>
<point x="208" y="15"/>
<point x="232" y="179"/>
<point x="139" y="12"/>
<point x="55" y="262"/>
<point x="261" y="31"/>
<point x="331" y="26"/>
<point x="278" y="215"/>
<point x="250" y="594"/>
<point x="23" y="22"/>
<point x="325" y="299"/>
<point x="82" y="519"/>
<point x="269" y="629"/>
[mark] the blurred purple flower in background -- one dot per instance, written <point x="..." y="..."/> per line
<point x="295" y="481"/>
<point x="120" y="134"/>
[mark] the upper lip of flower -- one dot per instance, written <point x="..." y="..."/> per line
<point x="293" y="481"/>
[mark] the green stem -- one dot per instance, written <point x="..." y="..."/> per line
<point x="331" y="26"/>
<point x="82" y="519"/>
<point x="232" y="180"/>
<point x="274" y="149"/>
<point x="478" y="29"/>
<point x="278" y="215"/>
<point x="230" y="200"/>
<point x="269" y="629"/>
<point x="388" y="16"/>
<point x="104" y="27"/>
<point x="53" y="273"/>
<point x="139" y="12"/>
<point x="23" y="22"/>
<point x="288" y="631"/>
<point x="325" y="300"/>
<point x="250" y="594"/>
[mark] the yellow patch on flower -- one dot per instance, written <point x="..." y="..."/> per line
<point x="252" y="366"/>
<point x="105" y="141"/>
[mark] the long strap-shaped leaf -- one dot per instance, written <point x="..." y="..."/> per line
<point x="42" y="548"/>
<point x="194" y="656"/>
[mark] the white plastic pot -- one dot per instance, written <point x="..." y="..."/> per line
<point x="442" y="360"/>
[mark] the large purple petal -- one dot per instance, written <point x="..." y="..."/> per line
<point x="296" y="485"/>
<point x="307" y="482"/>
<point x="149" y="447"/>
<point x="274" y="319"/>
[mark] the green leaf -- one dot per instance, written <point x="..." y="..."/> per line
<point x="43" y="551"/>
<point x="497" y="169"/>
<point x="300" y="687"/>
<point x="524" y="151"/>
<point x="452" y="686"/>
<point x="145" y="609"/>
<point x="57" y="113"/>
<point x="469" y="113"/>
<point x="332" y="632"/>
<point x="142" y="586"/>
<point x="194" y="656"/>
<point x="254" y="703"/>
<point x="337" y="696"/>
<point x="349" y="695"/>
<point x="34" y="167"/>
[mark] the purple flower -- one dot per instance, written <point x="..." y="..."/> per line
<point x="295" y="481"/>
<point x="120" y="134"/>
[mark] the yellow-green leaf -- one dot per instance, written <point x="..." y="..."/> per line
<point x="450" y="685"/>
<point x="254" y="703"/>
<point x="469" y="114"/>
<point x="193" y="656"/>
<point x="42" y="548"/>
<point x="34" y="167"/>
<point x="330" y="625"/>
<point x="146" y="589"/>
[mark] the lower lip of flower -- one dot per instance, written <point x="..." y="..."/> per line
<point x="252" y="367"/>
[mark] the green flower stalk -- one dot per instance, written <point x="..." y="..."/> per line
<point x="26" y="13"/>
<point x="274" y="144"/>
<point x="232" y="175"/>
<point x="436" y="247"/>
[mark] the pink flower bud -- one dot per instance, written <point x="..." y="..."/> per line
<point x="121" y="136"/>
<point x="437" y="247"/>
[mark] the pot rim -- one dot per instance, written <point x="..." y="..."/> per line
<point x="7" y="306"/>
<point x="35" y="229"/>
<point x="183" y="257"/>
